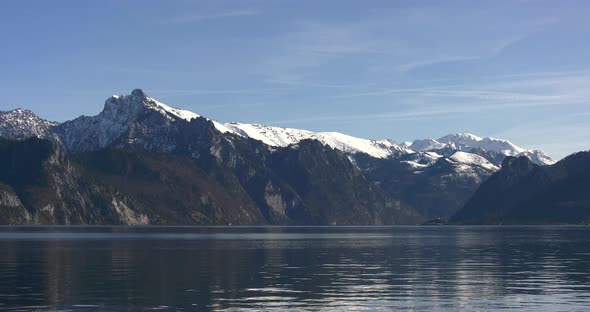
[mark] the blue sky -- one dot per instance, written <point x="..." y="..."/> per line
<point x="377" y="69"/>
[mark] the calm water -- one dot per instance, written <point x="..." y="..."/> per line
<point x="295" y="268"/>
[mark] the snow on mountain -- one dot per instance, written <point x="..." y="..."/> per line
<point x="180" y="113"/>
<point x="278" y="136"/>
<point x="282" y="137"/>
<point x="538" y="157"/>
<point x="272" y="136"/>
<point x="467" y="142"/>
<point x="19" y="124"/>
<point x="472" y="159"/>
<point x="460" y="139"/>
<point x="420" y="160"/>
<point x="464" y="141"/>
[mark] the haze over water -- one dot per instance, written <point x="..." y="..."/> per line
<point x="294" y="268"/>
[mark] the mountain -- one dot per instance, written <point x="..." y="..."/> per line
<point x="140" y="161"/>
<point x="400" y="182"/>
<point x="525" y="193"/>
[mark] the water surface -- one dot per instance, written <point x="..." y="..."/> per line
<point x="294" y="268"/>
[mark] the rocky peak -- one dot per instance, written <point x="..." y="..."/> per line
<point x="125" y="107"/>
<point x="19" y="124"/>
<point x="138" y="93"/>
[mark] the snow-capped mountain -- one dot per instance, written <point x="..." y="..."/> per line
<point x="120" y="117"/>
<point x="468" y="142"/>
<point x="278" y="136"/>
<point x="21" y="123"/>
<point x="86" y="133"/>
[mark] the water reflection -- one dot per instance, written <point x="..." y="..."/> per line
<point x="274" y="268"/>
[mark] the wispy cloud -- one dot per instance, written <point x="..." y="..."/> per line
<point x="543" y="90"/>
<point x="189" y="92"/>
<point x="495" y="47"/>
<point x="187" y="19"/>
<point x="429" y="113"/>
<point x="385" y="44"/>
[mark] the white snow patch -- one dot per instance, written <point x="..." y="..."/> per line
<point x="415" y="165"/>
<point x="281" y="137"/>
<point x="472" y="159"/>
<point x="184" y="114"/>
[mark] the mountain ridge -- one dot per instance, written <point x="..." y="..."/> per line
<point x="270" y="135"/>
<point x="244" y="159"/>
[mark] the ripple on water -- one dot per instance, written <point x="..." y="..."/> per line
<point x="304" y="269"/>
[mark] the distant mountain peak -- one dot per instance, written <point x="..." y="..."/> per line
<point x="469" y="142"/>
<point x="459" y="136"/>
<point x="19" y="111"/>
<point x="20" y="123"/>
<point x="138" y="101"/>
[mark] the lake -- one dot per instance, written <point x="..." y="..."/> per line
<point x="441" y="268"/>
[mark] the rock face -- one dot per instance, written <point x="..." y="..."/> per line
<point x="140" y="161"/>
<point x="11" y="208"/>
<point x="525" y="193"/>
<point x="50" y="189"/>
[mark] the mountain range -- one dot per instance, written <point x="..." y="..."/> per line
<point x="140" y="161"/>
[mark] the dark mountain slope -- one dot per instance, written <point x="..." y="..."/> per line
<point x="170" y="189"/>
<point x="334" y="190"/>
<point x="53" y="190"/>
<point x="129" y="185"/>
<point x="436" y="191"/>
<point x="565" y="200"/>
<point x="525" y="193"/>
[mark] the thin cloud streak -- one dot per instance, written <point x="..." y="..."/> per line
<point x="493" y="51"/>
<point x="188" y="92"/>
<point x="444" y="112"/>
<point x="542" y="88"/>
<point x="187" y="19"/>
